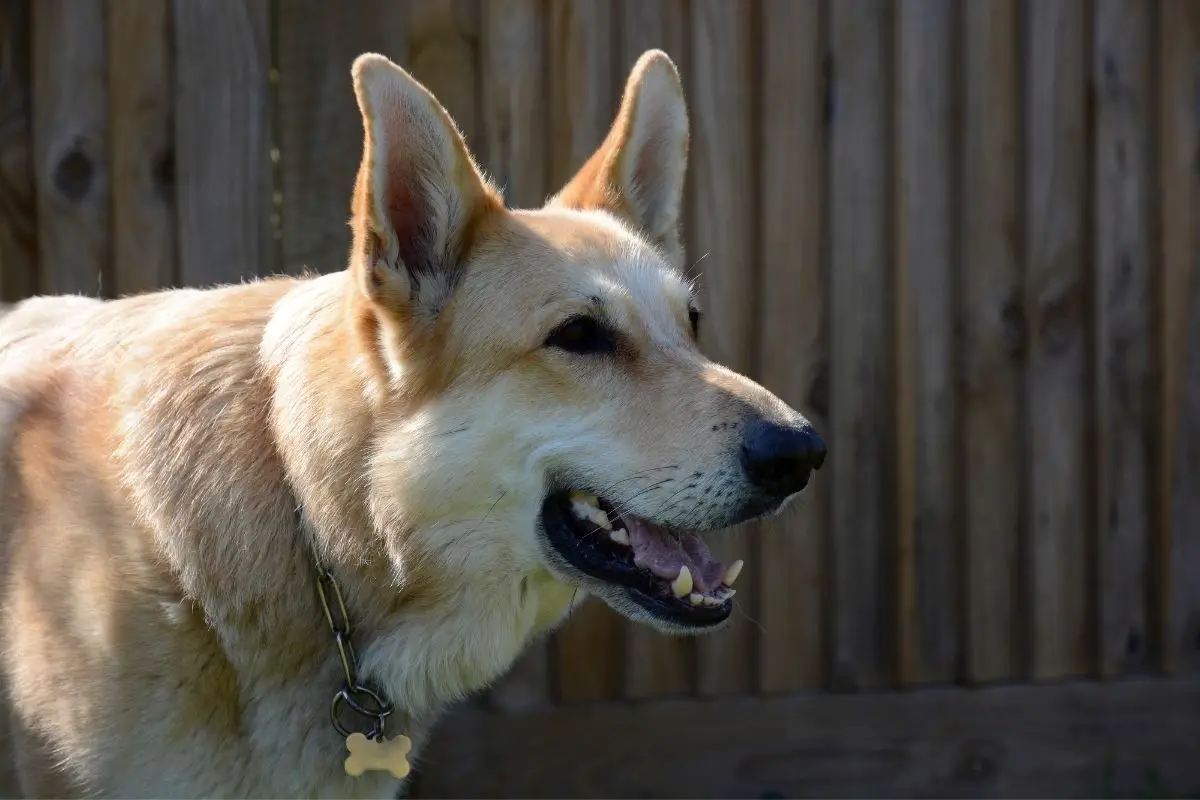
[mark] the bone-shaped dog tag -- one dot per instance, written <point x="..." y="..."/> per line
<point x="377" y="754"/>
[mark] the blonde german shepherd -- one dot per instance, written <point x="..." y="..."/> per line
<point x="488" y="415"/>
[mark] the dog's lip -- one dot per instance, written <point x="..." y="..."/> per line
<point x="648" y="568"/>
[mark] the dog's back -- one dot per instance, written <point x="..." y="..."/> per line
<point x="28" y="330"/>
<point x="86" y="599"/>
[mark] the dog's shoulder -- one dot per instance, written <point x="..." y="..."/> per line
<point x="38" y="321"/>
<point x="33" y="333"/>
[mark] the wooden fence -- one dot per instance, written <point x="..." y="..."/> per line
<point x="963" y="237"/>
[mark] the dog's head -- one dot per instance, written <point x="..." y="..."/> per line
<point x="542" y="406"/>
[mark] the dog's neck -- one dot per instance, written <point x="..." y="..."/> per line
<point x="415" y="651"/>
<point x="430" y="635"/>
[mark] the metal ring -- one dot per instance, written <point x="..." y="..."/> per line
<point x="352" y="696"/>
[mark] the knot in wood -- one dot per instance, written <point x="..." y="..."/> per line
<point x="74" y="174"/>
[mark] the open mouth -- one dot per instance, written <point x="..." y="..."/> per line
<point x="670" y="574"/>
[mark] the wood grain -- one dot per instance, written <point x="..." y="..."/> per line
<point x="1058" y="470"/>
<point x="657" y="665"/>
<point x="70" y="147"/>
<point x="724" y="236"/>
<point x="443" y="53"/>
<point x="223" y="142"/>
<point x="1178" y="545"/>
<point x="320" y="127"/>
<point x="141" y="104"/>
<point x="860" y="432"/>
<point x="514" y="120"/>
<point x="991" y="340"/>
<point x="583" y="83"/>
<point x="18" y="208"/>
<point x="646" y="24"/>
<point x="927" y="557"/>
<point x="1120" y="73"/>
<point x="1125" y="739"/>
<point x="512" y="133"/>
<point x="793" y="334"/>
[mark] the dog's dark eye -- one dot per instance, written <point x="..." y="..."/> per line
<point x="694" y="318"/>
<point x="582" y="335"/>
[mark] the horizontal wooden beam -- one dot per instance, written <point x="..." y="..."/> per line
<point x="1130" y="738"/>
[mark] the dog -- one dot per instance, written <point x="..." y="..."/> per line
<point x="223" y="508"/>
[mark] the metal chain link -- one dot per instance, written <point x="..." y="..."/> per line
<point x="354" y="695"/>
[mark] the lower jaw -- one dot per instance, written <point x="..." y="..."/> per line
<point x="695" y="619"/>
<point x="640" y="590"/>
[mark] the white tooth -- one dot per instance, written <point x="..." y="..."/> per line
<point x="682" y="585"/>
<point x="620" y="536"/>
<point x="709" y="600"/>
<point x="696" y="598"/>
<point x="731" y="574"/>
<point x="588" y="511"/>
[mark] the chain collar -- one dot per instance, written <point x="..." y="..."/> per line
<point x="368" y="707"/>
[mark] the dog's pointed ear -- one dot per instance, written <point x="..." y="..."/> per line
<point x="638" y="171"/>
<point x="419" y="195"/>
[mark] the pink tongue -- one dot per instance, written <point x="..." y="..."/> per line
<point x="665" y="554"/>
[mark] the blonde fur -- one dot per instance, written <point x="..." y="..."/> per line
<point x="161" y="633"/>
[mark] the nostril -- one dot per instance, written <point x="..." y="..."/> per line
<point x="778" y="469"/>
<point x="816" y="449"/>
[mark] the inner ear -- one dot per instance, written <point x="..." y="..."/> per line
<point x="419" y="195"/>
<point x="638" y="172"/>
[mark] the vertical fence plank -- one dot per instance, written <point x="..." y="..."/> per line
<point x="647" y="24"/>
<point x="320" y="128"/>
<point x="141" y="104"/>
<point x="223" y="110"/>
<point x="513" y="94"/>
<point x="512" y="117"/>
<point x="582" y="107"/>
<point x="583" y="96"/>
<point x="1178" y="543"/>
<point x="1120" y="74"/>
<point x="443" y="53"/>
<point x="793" y="345"/>
<point x="992" y="339"/>
<point x="18" y="210"/>
<point x="925" y="474"/>
<point x="1056" y="295"/>
<point x="723" y="191"/>
<point x="70" y="146"/>
<point x="860" y="425"/>
<point x="656" y="665"/>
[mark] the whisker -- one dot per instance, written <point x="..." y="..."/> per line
<point x="503" y="493"/>
<point x="453" y="431"/>
<point x="478" y="521"/>
<point x="634" y="476"/>
<point x="595" y="529"/>
<point x="739" y="607"/>
<point x="622" y="508"/>
<point x="574" y="597"/>
<point x="663" y="506"/>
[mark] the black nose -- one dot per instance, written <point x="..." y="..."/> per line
<point x="779" y="458"/>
